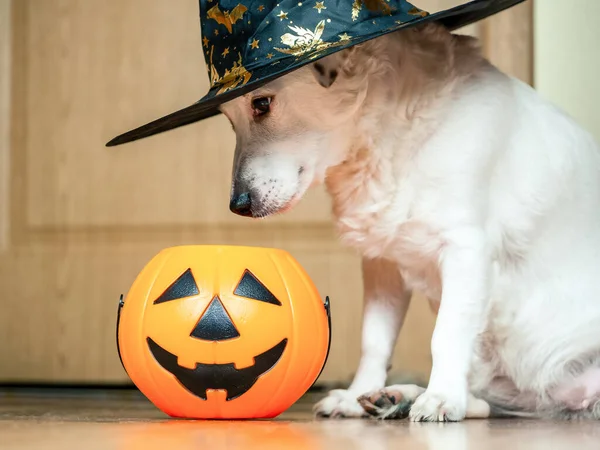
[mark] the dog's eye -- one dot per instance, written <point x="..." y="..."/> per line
<point x="261" y="105"/>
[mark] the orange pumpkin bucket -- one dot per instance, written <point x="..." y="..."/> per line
<point x="228" y="332"/>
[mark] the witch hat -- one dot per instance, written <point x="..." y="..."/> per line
<point x="248" y="43"/>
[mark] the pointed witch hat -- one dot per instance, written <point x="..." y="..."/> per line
<point x="248" y="43"/>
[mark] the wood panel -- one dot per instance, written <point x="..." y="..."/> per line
<point x="5" y="56"/>
<point x="508" y="41"/>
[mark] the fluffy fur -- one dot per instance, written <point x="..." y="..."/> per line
<point x="456" y="180"/>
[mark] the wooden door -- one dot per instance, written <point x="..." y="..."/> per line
<point x="78" y="220"/>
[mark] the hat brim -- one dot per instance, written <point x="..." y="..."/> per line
<point x="208" y="106"/>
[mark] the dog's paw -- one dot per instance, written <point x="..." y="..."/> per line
<point x="339" y="404"/>
<point x="434" y="407"/>
<point x="392" y="402"/>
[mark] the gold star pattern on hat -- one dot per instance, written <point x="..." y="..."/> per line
<point x="282" y="15"/>
<point x="319" y="6"/>
<point x="254" y="44"/>
<point x="418" y="12"/>
<point x="344" y="37"/>
<point x="231" y="78"/>
<point x="269" y="55"/>
<point x="205" y="41"/>
<point x="303" y="40"/>
<point x="356" y="7"/>
<point x="261" y="8"/>
<point x="225" y="52"/>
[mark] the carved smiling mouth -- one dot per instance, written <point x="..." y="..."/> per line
<point x="218" y="376"/>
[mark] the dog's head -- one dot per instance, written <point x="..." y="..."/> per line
<point x="288" y="133"/>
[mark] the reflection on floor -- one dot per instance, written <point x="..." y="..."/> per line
<point x="123" y="419"/>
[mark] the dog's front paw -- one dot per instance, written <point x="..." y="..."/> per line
<point x="392" y="402"/>
<point x="340" y="403"/>
<point x="435" y="407"/>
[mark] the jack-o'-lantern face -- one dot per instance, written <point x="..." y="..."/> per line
<point x="216" y="325"/>
<point x="222" y="326"/>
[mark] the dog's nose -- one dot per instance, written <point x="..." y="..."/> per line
<point x="241" y="204"/>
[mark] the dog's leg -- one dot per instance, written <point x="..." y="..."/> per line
<point x="395" y="402"/>
<point x="464" y="270"/>
<point x="386" y="302"/>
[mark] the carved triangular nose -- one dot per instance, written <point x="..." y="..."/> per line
<point x="215" y="324"/>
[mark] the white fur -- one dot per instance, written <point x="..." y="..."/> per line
<point x="456" y="180"/>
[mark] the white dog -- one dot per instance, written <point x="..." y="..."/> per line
<point x="455" y="180"/>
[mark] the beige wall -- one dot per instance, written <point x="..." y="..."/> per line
<point x="567" y="57"/>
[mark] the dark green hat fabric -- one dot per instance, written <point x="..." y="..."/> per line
<point x="248" y="43"/>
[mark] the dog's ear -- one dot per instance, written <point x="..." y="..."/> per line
<point x="327" y="69"/>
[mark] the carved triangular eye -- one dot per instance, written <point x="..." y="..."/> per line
<point x="250" y="287"/>
<point x="184" y="286"/>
